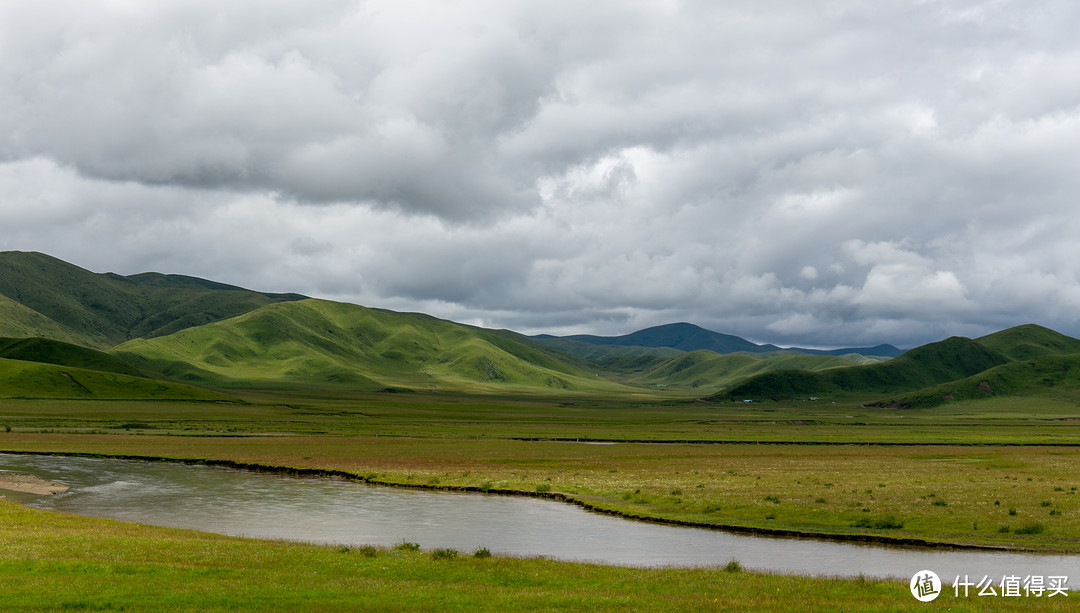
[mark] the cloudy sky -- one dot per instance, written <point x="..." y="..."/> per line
<point x="804" y="173"/>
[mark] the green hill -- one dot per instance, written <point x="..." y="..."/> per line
<point x="22" y="379"/>
<point x="1053" y="375"/>
<point x="17" y="320"/>
<point x="706" y="369"/>
<point x="1029" y="341"/>
<point x="933" y="364"/>
<point x="322" y="343"/>
<point x="49" y="298"/>
<point x="48" y="351"/>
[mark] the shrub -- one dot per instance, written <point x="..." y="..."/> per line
<point x="444" y="554"/>
<point x="887" y="522"/>
<point x="733" y="566"/>
<point x="483" y="552"/>
<point x="1030" y="529"/>
<point x="407" y="546"/>
<point x="369" y="551"/>
<point x="1012" y="510"/>
<point x="772" y="499"/>
<point x="940" y="503"/>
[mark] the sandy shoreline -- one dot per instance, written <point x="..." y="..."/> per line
<point x="29" y="484"/>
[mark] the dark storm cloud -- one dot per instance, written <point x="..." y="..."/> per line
<point x="808" y="173"/>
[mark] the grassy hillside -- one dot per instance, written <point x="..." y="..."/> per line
<point x="21" y="379"/>
<point x="1029" y="341"/>
<point x="64" y="354"/>
<point x="17" y="320"/>
<point x="67" y="303"/>
<point x="322" y="343"/>
<point x="1049" y="375"/>
<point x="706" y="369"/>
<point x="926" y="366"/>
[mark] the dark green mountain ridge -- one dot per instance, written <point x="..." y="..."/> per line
<point x="689" y="337"/>
<point x="72" y="304"/>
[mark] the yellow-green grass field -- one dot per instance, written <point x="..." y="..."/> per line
<point x="1000" y="473"/>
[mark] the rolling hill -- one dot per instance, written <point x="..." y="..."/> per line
<point x="46" y="297"/>
<point x="23" y="379"/>
<point x="706" y="369"/>
<point x="69" y="332"/>
<point x="933" y="364"/>
<point x="322" y="343"/>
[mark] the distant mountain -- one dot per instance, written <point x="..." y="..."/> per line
<point x="689" y="337"/>
<point x="43" y="296"/>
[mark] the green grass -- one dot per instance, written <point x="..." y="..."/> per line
<point x="54" y="299"/>
<point x="931" y="364"/>
<point x="803" y="480"/>
<point x="710" y="371"/>
<point x="328" y="344"/>
<point x="21" y="379"/>
<point x="54" y="562"/>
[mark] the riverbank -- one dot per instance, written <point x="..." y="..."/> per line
<point x="51" y="561"/>
<point x="1020" y="499"/>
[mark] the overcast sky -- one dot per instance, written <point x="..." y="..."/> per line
<point x="803" y="173"/>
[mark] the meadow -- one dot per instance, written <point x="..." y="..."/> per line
<point x="55" y="562"/>
<point x="995" y="474"/>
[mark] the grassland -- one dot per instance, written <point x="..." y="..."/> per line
<point x="830" y="469"/>
<point x="974" y="474"/>
<point x="62" y="563"/>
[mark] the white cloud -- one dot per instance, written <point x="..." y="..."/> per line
<point x="794" y="173"/>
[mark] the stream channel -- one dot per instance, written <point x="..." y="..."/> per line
<point x="340" y="512"/>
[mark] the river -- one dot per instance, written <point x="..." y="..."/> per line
<point x="333" y="511"/>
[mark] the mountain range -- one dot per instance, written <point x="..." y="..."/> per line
<point x="66" y="332"/>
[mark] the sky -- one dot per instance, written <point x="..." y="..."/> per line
<point x="825" y="173"/>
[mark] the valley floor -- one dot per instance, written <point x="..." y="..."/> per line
<point x="824" y="470"/>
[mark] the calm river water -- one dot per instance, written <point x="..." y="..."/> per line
<point x="333" y="511"/>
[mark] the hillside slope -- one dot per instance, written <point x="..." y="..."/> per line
<point x="22" y="379"/>
<point x="1029" y="341"/>
<point x="50" y="298"/>
<point x="1047" y="375"/>
<point x="322" y="343"/>
<point x="48" y="351"/>
<point x="706" y="369"/>
<point x="933" y="364"/>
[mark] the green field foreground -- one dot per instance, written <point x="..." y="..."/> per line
<point x="837" y="470"/>
<point x="51" y="561"/>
